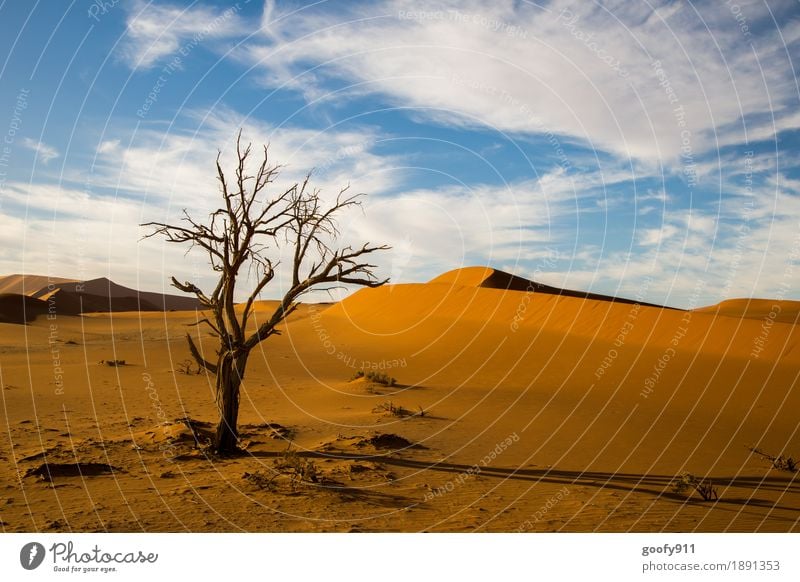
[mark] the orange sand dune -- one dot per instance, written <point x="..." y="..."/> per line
<point x="405" y="308"/>
<point x="511" y="411"/>
<point x="764" y="309"/>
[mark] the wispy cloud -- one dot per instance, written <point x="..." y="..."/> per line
<point x="176" y="168"/>
<point x="155" y="31"/>
<point x="43" y="151"/>
<point x="108" y="146"/>
<point x="618" y="77"/>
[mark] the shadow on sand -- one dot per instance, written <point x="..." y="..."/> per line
<point x="648" y="484"/>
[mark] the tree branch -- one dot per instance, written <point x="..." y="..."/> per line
<point x="198" y="357"/>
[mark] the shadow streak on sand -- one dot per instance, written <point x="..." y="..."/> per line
<point x="650" y="484"/>
<point x="376" y="498"/>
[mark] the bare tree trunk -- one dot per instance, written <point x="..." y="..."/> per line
<point x="237" y="237"/>
<point x="230" y="374"/>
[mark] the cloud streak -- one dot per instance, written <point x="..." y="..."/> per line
<point x="155" y="31"/>
<point x="43" y="151"/>
<point x="609" y="75"/>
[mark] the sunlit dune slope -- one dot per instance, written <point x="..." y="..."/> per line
<point x="609" y="400"/>
<point x="29" y="284"/>
<point x="404" y="310"/>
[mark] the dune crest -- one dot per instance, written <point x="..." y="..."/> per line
<point x="29" y="284"/>
<point x="488" y="278"/>
<point x="778" y="310"/>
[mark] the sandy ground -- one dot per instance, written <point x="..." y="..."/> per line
<point x="512" y="411"/>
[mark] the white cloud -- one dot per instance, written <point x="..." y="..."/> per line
<point x="576" y="69"/>
<point x="514" y="67"/>
<point x="177" y="168"/>
<point x="43" y="151"/>
<point x="431" y="230"/>
<point x="154" y="31"/>
<point x="108" y="146"/>
<point x="700" y="257"/>
<point x="158" y="174"/>
<point x="73" y="233"/>
<point x="655" y="236"/>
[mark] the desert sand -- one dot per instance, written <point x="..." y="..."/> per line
<point x="515" y="408"/>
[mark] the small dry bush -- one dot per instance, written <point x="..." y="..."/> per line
<point x="187" y="367"/>
<point x="780" y="462"/>
<point x="704" y="487"/>
<point x="376" y="377"/>
<point x="299" y="469"/>
<point x="390" y="408"/>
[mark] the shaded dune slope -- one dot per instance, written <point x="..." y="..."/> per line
<point x="101" y="295"/>
<point x="17" y="308"/>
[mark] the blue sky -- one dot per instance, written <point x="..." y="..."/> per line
<point x="640" y="149"/>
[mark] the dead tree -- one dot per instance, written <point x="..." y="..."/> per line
<point x="246" y="235"/>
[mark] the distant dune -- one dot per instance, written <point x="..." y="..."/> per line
<point x="72" y="297"/>
<point x="29" y="284"/>
<point x="99" y="295"/>
<point x="489" y="278"/>
<point x="777" y="310"/>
